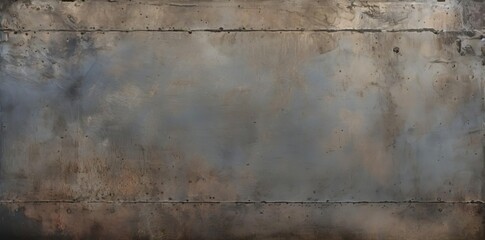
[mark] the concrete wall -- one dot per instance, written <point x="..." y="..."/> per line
<point x="242" y="119"/>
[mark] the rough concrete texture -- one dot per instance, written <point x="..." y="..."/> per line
<point x="242" y="119"/>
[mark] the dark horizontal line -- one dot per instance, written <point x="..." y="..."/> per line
<point x="240" y="202"/>
<point x="364" y="30"/>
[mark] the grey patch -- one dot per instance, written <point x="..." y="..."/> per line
<point x="468" y="50"/>
<point x="15" y="225"/>
<point x="3" y="36"/>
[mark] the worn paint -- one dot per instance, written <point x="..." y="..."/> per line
<point x="189" y="120"/>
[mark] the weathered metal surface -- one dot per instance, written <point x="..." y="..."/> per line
<point x="243" y="221"/>
<point x="244" y="15"/>
<point x="242" y="120"/>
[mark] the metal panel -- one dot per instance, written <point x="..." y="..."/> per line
<point x="189" y="120"/>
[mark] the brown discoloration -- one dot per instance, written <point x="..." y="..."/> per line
<point x="296" y="120"/>
<point x="473" y="14"/>
<point x="253" y="220"/>
<point x="238" y="15"/>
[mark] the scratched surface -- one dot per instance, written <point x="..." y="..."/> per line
<point x="242" y="120"/>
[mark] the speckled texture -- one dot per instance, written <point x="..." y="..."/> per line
<point x="242" y="120"/>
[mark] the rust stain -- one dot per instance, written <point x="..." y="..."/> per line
<point x="241" y="120"/>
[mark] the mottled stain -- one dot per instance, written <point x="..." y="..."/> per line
<point x="241" y="120"/>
